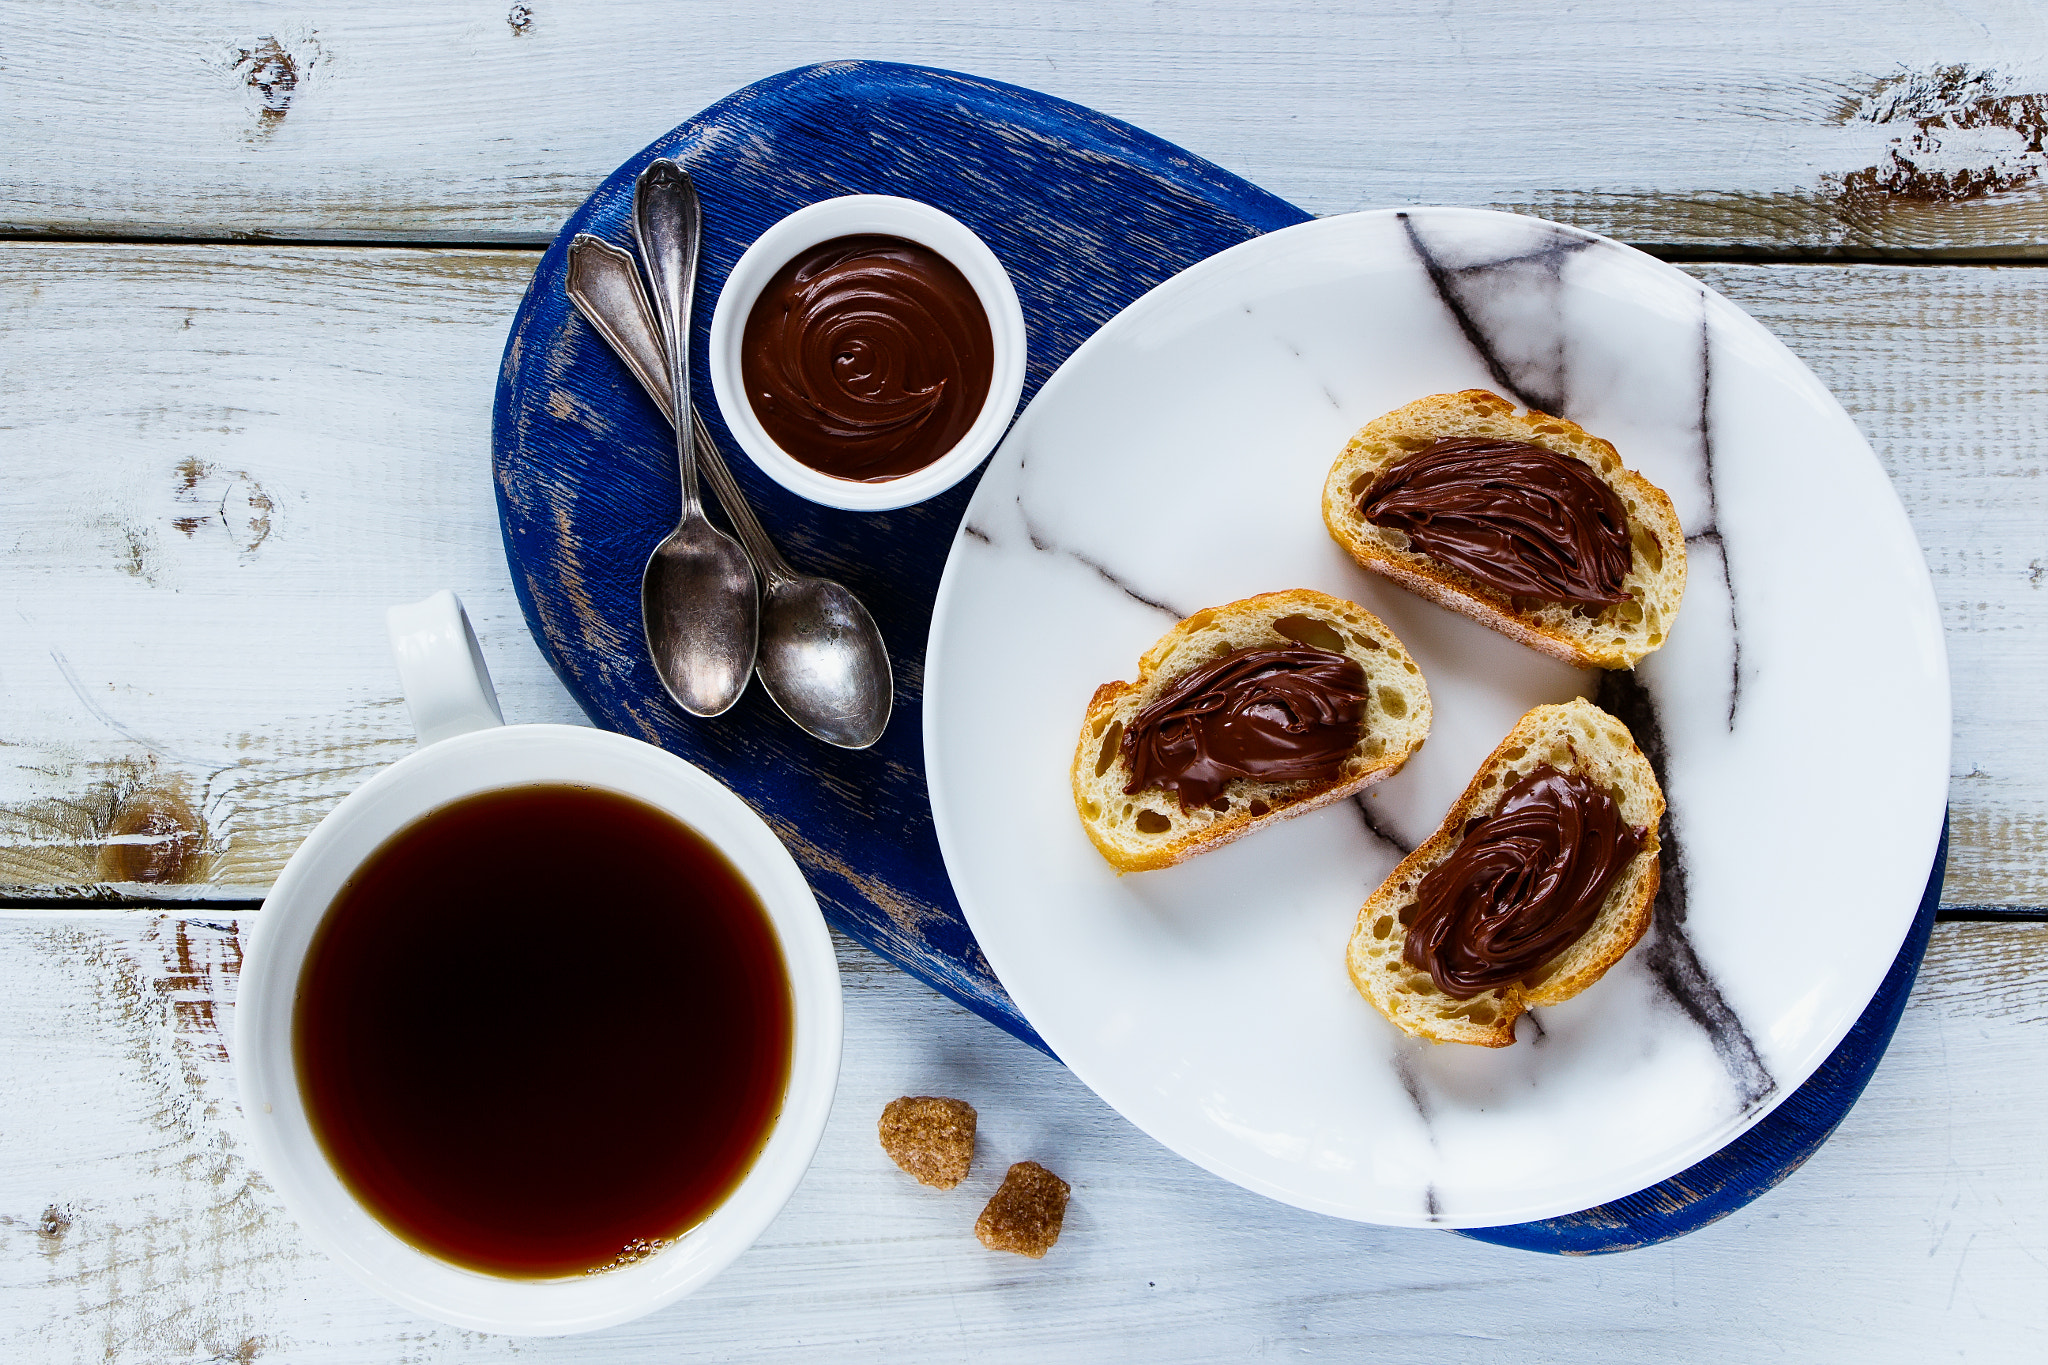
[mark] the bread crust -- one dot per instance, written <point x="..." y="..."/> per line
<point x="1397" y="722"/>
<point x="1578" y="737"/>
<point x="1608" y="638"/>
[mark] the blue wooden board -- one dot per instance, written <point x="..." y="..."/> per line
<point x="1087" y="213"/>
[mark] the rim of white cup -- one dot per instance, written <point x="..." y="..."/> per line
<point x="890" y="216"/>
<point x="289" y="1154"/>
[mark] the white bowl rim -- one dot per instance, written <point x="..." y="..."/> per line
<point x="888" y="215"/>
<point x="273" y="1109"/>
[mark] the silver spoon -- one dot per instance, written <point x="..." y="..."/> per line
<point x="697" y="603"/>
<point x="822" y="659"/>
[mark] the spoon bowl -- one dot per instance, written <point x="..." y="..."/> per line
<point x="822" y="663"/>
<point x="698" y="610"/>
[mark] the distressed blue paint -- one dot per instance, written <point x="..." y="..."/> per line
<point x="1087" y="214"/>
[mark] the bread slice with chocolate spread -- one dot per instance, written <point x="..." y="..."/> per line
<point x="1612" y="634"/>
<point x="1154" y="826"/>
<point x="1576" y="739"/>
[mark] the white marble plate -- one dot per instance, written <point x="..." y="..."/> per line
<point x="1799" y="713"/>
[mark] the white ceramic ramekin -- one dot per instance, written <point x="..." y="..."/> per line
<point x="466" y="749"/>
<point x="845" y="217"/>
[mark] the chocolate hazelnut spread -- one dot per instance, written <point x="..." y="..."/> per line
<point x="1515" y="516"/>
<point x="867" y="357"/>
<point x="1276" y="714"/>
<point x="1525" y="884"/>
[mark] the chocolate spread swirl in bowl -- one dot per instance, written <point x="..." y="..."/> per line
<point x="867" y="357"/>
<point x="1278" y="714"/>
<point x="1526" y="883"/>
<point x="1524" y="520"/>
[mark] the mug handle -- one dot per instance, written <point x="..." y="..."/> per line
<point x="441" y="669"/>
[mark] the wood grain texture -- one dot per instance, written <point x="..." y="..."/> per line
<point x="232" y="459"/>
<point x="132" y="1227"/>
<point x="227" y="465"/>
<point x="1894" y="126"/>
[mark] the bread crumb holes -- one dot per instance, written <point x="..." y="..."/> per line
<point x="1111" y="742"/>
<point x="1311" y="631"/>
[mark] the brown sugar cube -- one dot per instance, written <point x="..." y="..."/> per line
<point x="1024" y="1216"/>
<point x="930" y="1137"/>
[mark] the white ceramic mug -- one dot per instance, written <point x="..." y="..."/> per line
<point x="465" y="748"/>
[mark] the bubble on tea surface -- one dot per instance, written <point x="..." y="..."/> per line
<point x="634" y="1252"/>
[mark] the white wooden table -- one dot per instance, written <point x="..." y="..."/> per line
<point x="257" y="268"/>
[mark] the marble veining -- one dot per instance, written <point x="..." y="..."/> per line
<point x="1042" y="542"/>
<point x="1537" y="372"/>
<point x="1176" y="462"/>
<point x="1542" y="380"/>
<point x="1669" y="954"/>
<point x="1537" y="378"/>
<point x="1402" y="848"/>
<point x="1710" y="533"/>
<point x="1115" y="581"/>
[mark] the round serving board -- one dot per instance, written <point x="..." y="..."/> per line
<point x="1087" y="213"/>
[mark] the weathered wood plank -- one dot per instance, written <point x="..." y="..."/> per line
<point x="231" y="459"/>
<point x="132" y="1227"/>
<point x="1874" y="126"/>
<point x="227" y="465"/>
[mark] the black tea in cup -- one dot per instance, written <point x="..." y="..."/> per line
<point x="543" y="1031"/>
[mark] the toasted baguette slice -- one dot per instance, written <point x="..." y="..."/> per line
<point x="1149" y="830"/>
<point x="1575" y="737"/>
<point x="1608" y="637"/>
